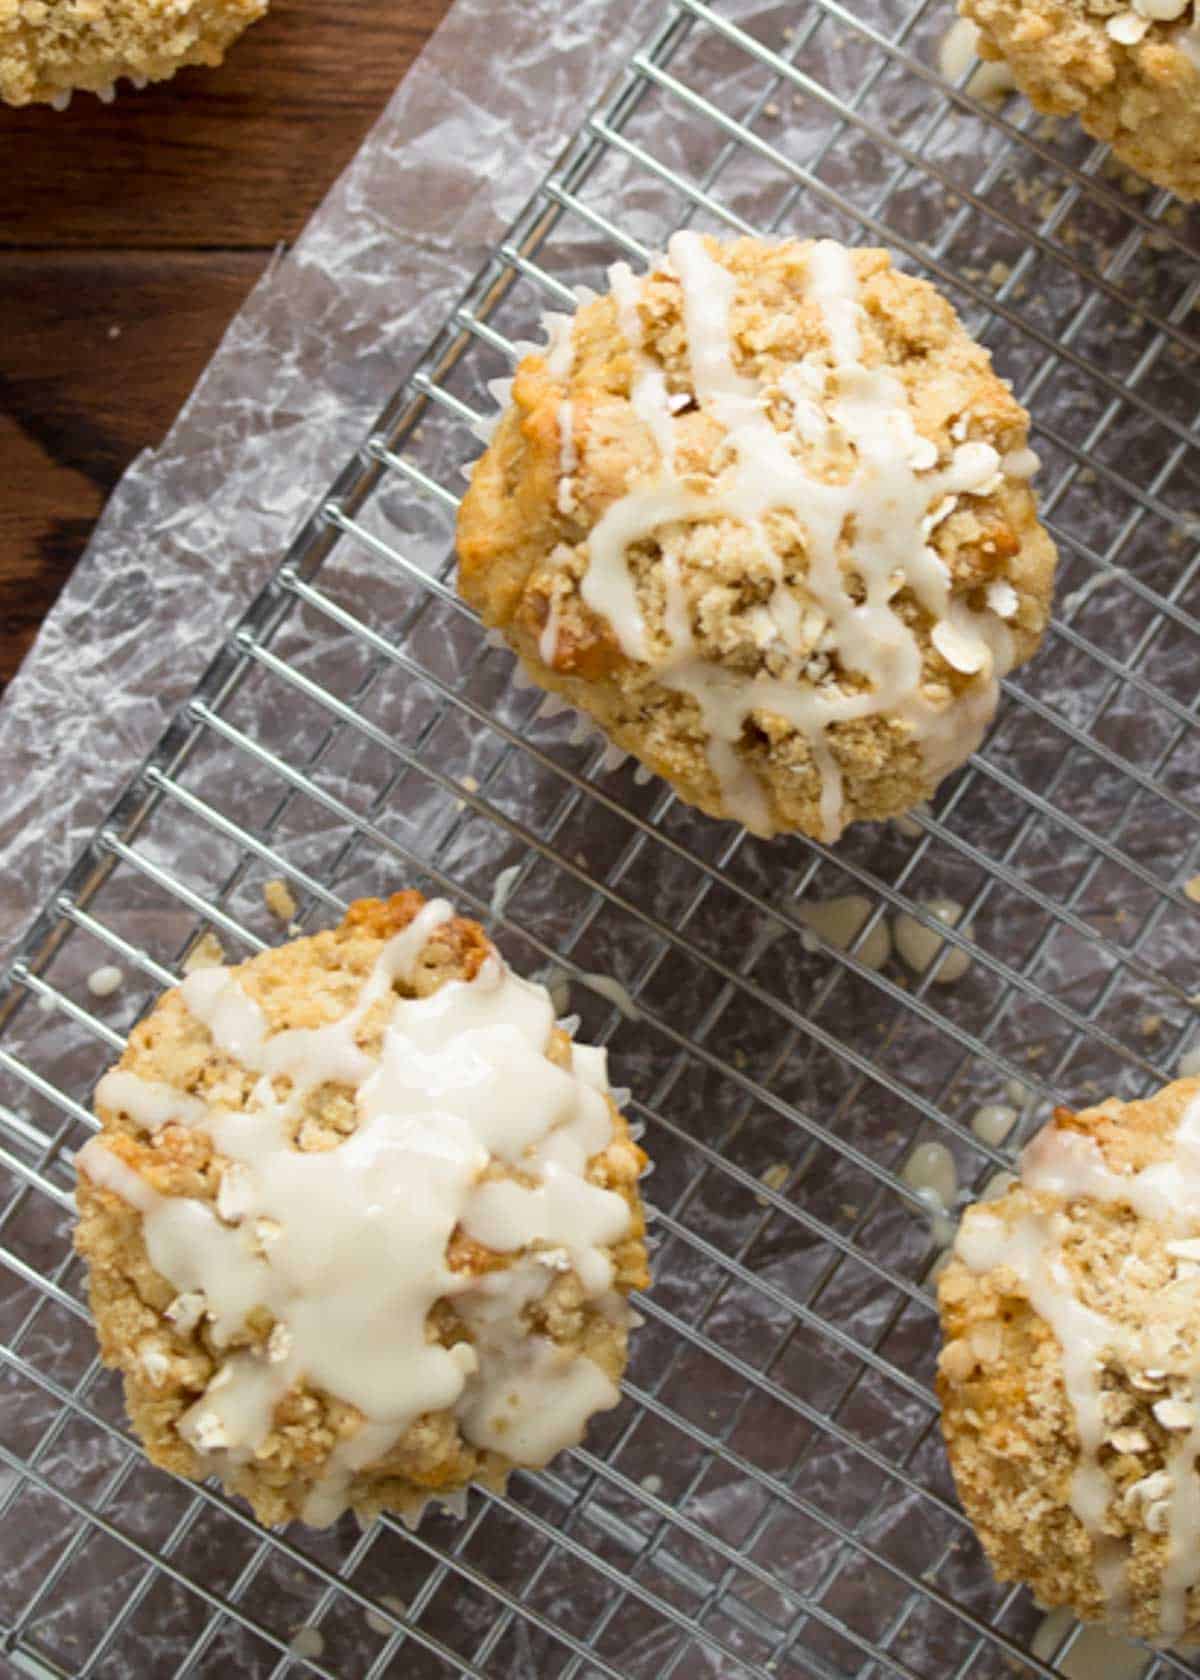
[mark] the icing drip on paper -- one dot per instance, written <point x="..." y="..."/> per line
<point x="346" y="1247"/>
<point x="895" y="495"/>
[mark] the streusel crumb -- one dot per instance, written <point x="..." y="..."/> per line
<point x="325" y="1245"/>
<point x="1070" y="1400"/>
<point x="52" y="48"/>
<point x="765" y="515"/>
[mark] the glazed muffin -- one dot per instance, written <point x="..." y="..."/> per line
<point x="52" y="48"/>
<point x="1129" y="72"/>
<point x="361" y="1221"/>
<point x="1070" y="1374"/>
<point x="764" y="514"/>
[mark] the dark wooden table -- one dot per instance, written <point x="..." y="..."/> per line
<point x="131" y="233"/>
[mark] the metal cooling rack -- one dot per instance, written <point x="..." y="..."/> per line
<point x="771" y="1499"/>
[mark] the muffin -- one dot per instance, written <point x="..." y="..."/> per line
<point x="51" y="48"/>
<point x="1070" y="1374"/>
<point x="361" y="1221"/>
<point x="764" y="514"/>
<point x="1129" y="72"/>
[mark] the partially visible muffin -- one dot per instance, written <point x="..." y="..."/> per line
<point x="52" y="48"/>
<point x="764" y="514"/>
<point x="1070" y="1375"/>
<point x="361" y="1221"/>
<point x="1129" y="71"/>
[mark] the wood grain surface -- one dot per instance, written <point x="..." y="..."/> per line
<point x="131" y="232"/>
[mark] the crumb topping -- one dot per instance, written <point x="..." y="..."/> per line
<point x="764" y="512"/>
<point x="1070" y="1374"/>
<point x="50" y="48"/>
<point x="391" y="1216"/>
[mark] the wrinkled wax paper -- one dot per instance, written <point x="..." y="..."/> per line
<point x="324" y="339"/>
<point x="781" y="1090"/>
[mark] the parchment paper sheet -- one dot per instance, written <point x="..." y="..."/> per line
<point x="323" y="340"/>
<point x="193" y="531"/>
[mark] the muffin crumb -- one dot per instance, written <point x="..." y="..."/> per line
<point x="48" y="52"/>
<point x="679" y="526"/>
<point x="313" y="1357"/>
<point x="1070" y="1405"/>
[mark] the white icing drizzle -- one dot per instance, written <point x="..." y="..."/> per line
<point x="931" y="1167"/>
<point x="1020" y="463"/>
<point x="548" y="640"/>
<point x="605" y="986"/>
<point x="1095" y="1654"/>
<point x="1127" y="28"/>
<point x="149" y="1102"/>
<point x="649" y="396"/>
<point x="238" y="1026"/>
<point x="1002" y="598"/>
<point x="1069" y="1167"/>
<point x="1031" y="1250"/>
<point x="104" y="981"/>
<point x="839" y="921"/>
<point x="568" y="458"/>
<point x="346" y="1246"/>
<point x="560" y="344"/>
<point x="887" y="502"/>
<point x="992" y="1123"/>
<point x="502" y="891"/>
<point x="959" y="47"/>
<point x="1182" y="1569"/>
<point x="533" y="1382"/>
<point x="709" y="289"/>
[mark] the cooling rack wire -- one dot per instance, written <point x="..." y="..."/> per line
<point x="771" y="1499"/>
